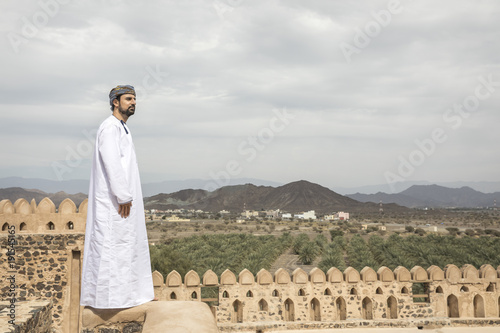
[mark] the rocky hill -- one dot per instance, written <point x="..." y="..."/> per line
<point x="434" y="196"/>
<point x="293" y="197"/>
<point x="14" y="193"/>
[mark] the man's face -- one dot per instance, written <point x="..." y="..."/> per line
<point x="126" y="104"/>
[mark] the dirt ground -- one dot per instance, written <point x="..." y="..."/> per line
<point x="404" y="330"/>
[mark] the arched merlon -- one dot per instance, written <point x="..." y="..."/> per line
<point x="21" y="206"/>
<point x="6" y="207"/>
<point x="418" y="274"/>
<point x="246" y="278"/>
<point x="316" y="277"/>
<point x="46" y="206"/>
<point x="368" y="274"/>
<point x="351" y="275"/>
<point x="334" y="275"/>
<point x="435" y="273"/>
<point x="192" y="279"/>
<point x="67" y="206"/>
<point x="173" y="279"/>
<point x="83" y="206"/>
<point x="402" y="274"/>
<point x="228" y="278"/>
<point x="470" y="274"/>
<point x="281" y="276"/>
<point x="210" y="278"/>
<point x="32" y="218"/>
<point x="385" y="274"/>
<point x="299" y="276"/>
<point x="264" y="277"/>
<point x="452" y="273"/>
<point x="157" y="279"/>
<point x="488" y="273"/>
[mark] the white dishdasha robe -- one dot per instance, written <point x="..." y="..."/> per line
<point x="116" y="264"/>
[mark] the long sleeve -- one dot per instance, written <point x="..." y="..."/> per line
<point x="109" y="151"/>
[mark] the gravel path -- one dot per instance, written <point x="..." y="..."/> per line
<point x="406" y="330"/>
<point x="290" y="261"/>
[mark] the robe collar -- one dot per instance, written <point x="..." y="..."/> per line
<point x="123" y="124"/>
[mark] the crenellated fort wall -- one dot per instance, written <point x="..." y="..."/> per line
<point x="47" y="266"/>
<point x="338" y="296"/>
<point x="44" y="217"/>
<point x="46" y="258"/>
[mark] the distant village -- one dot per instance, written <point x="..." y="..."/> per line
<point x="186" y="215"/>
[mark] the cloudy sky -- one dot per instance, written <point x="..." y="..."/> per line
<point x="335" y="92"/>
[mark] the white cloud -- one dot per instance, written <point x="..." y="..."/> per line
<point x="225" y="65"/>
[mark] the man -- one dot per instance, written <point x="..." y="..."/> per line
<point x="116" y="265"/>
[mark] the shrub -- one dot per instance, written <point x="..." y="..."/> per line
<point x="409" y="228"/>
<point x="336" y="232"/>
<point x="420" y="231"/>
<point x="470" y="232"/>
<point x="309" y="252"/>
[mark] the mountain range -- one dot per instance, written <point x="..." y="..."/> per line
<point x="294" y="197"/>
<point x="148" y="189"/>
<point x="14" y="193"/>
<point x="433" y="196"/>
<point x="170" y="186"/>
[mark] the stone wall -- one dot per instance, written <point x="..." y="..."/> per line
<point x="43" y="218"/>
<point x="41" y="248"/>
<point x="29" y="317"/>
<point x="46" y="267"/>
<point x="322" y="300"/>
<point x="117" y="327"/>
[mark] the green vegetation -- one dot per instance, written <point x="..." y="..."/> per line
<point x="218" y="253"/>
<point x="425" y="251"/>
<point x="236" y="252"/>
<point x="359" y="253"/>
<point x="333" y="256"/>
<point x="309" y="252"/>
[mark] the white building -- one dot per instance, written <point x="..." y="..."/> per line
<point x="250" y="213"/>
<point x="272" y="214"/>
<point x="306" y="215"/>
<point x="341" y="216"/>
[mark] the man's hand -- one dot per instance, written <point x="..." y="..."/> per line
<point x="124" y="209"/>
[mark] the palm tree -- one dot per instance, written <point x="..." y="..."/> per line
<point x="308" y="253"/>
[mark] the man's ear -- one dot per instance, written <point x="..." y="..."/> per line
<point x="116" y="103"/>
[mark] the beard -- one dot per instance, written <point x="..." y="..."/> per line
<point x="127" y="112"/>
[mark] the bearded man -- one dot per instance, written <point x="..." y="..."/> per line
<point x="116" y="264"/>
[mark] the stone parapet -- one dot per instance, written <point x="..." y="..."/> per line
<point x="151" y="317"/>
<point x="26" y="317"/>
<point x="26" y="217"/>
<point x="336" y="296"/>
<point x="425" y="324"/>
<point x="41" y="249"/>
<point x="44" y="266"/>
